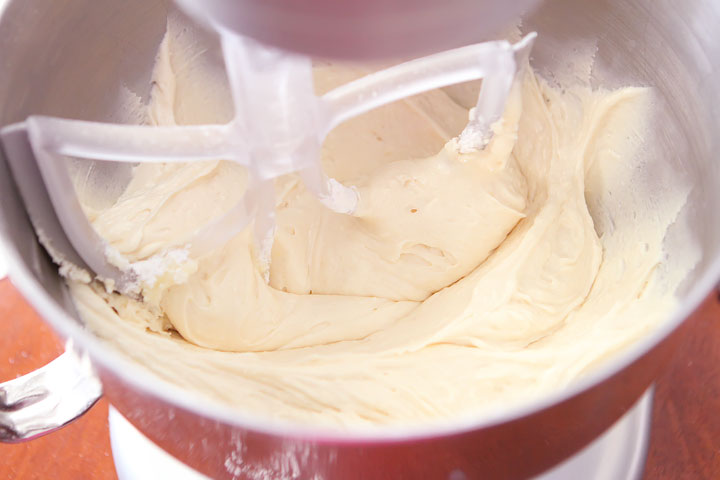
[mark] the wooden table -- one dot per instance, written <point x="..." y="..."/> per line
<point x="685" y="441"/>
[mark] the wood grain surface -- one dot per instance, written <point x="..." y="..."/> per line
<point x="685" y="441"/>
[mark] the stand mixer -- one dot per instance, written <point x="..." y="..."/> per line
<point x="616" y="388"/>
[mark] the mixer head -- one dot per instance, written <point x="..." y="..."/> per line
<point x="361" y="30"/>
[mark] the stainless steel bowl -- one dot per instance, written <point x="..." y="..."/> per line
<point x="62" y="58"/>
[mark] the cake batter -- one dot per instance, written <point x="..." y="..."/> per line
<point x="466" y="282"/>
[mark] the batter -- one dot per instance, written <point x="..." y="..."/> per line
<point x="465" y="283"/>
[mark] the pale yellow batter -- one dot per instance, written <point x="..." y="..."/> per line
<point x="465" y="282"/>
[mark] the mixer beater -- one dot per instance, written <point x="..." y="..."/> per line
<point x="278" y="128"/>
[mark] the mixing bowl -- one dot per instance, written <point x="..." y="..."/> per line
<point x="66" y="59"/>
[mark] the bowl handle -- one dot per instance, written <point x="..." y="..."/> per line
<point x="48" y="398"/>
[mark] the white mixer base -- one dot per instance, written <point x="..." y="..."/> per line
<point x="618" y="454"/>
